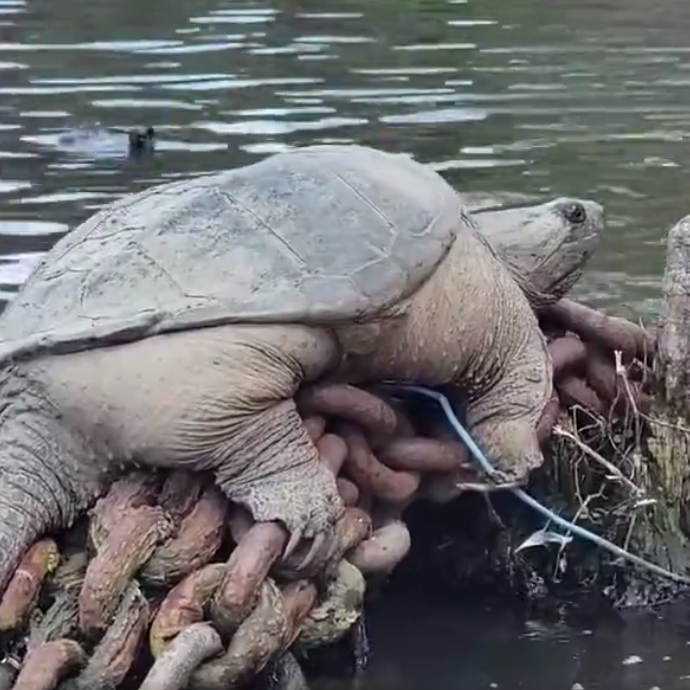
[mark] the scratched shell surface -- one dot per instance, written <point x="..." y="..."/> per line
<point x="315" y="234"/>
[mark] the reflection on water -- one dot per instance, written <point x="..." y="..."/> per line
<point x="513" y="101"/>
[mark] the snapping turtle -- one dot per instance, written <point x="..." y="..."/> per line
<point x="174" y="327"/>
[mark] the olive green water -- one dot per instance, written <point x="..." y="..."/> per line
<point x="513" y="101"/>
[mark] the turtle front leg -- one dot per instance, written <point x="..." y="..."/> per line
<point x="504" y="420"/>
<point x="219" y="400"/>
<point x="281" y="477"/>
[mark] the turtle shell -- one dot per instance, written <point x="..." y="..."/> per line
<point x="311" y="235"/>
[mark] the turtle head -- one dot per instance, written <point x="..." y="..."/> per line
<point x="141" y="140"/>
<point x="546" y="245"/>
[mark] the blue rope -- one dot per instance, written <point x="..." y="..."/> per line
<point x="484" y="463"/>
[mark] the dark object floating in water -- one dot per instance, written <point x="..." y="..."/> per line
<point x="142" y="140"/>
<point x="101" y="142"/>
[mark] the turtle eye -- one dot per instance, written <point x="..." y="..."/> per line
<point x="575" y="213"/>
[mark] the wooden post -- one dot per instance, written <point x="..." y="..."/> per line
<point x="661" y="531"/>
<point x="646" y="509"/>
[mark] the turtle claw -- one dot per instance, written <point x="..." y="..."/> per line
<point x="312" y="556"/>
<point x="316" y="546"/>
<point x="303" y="500"/>
<point x="316" y="553"/>
<point x="293" y="542"/>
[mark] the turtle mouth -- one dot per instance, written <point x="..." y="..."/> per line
<point x="585" y="248"/>
<point x="566" y="282"/>
<point x="586" y="252"/>
<point x="584" y="238"/>
<point x="585" y="245"/>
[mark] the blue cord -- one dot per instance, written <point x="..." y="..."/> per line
<point x="484" y="463"/>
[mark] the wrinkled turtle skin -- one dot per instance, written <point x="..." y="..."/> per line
<point x="174" y="327"/>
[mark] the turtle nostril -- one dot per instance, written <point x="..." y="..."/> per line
<point x="575" y="213"/>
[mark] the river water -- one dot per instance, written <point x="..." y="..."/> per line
<point x="513" y="101"/>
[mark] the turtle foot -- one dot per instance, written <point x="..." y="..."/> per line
<point x="512" y="449"/>
<point x="304" y="499"/>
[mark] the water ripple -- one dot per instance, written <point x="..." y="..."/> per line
<point x="15" y="228"/>
<point x="507" y="100"/>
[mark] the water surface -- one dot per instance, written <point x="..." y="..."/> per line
<point x="513" y="101"/>
<point x="444" y="645"/>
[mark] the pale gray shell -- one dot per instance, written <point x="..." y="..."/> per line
<point x="315" y="234"/>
